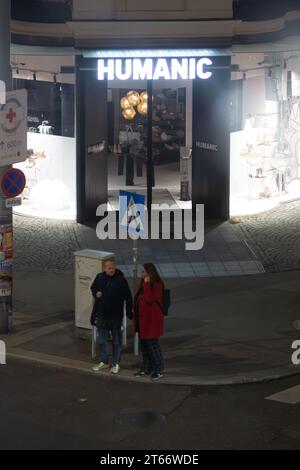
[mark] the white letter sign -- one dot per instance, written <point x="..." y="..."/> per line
<point x="154" y="69"/>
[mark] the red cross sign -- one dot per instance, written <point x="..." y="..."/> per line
<point x="11" y="115"/>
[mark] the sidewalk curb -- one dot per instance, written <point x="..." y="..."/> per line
<point x="61" y="363"/>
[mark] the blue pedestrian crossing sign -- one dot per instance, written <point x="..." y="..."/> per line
<point x="132" y="212"/>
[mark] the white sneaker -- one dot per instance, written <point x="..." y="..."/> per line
<point x="156" y="376"/>
<point x="100" y="366"/>
<point x="115" y="369"/>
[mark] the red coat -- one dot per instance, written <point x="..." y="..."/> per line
<point x="151" y="317"/>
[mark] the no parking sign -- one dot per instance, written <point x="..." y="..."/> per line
<point x="13" y="182"/>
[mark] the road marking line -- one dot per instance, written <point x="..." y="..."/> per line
<point x="290" y="396"/>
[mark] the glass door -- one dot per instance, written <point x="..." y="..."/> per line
<point x="127" y="138"/>
<point x="172" y="132"/>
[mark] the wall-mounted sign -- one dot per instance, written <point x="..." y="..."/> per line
<point x="96" y="148"/>
<point x="13" y="128"/>
<point x="206" y="146"/>
<point x="154" y="69"/>
<point x="6" y="241"/>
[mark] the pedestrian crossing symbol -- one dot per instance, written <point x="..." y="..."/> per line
<point x="132" y="212"/>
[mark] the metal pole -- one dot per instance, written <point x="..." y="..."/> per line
<point x="5" y="214"/>
<point x="124" y="329"/>
<point x="135" y="275"/>
<point x="94" y="341"/>
<point x="149" y="151"/>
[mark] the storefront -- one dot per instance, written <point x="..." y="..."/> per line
<point x="221" y="128"/>
<point x="155" y="122"/>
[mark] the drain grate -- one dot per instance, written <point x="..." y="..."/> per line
<point x="138" y="418"/>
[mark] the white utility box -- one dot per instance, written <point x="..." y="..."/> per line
<point x="88" y="263"/>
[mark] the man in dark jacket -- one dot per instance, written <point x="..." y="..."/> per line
<point x="110" y="289"/>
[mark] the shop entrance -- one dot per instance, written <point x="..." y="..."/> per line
<point x="171" y="136"/>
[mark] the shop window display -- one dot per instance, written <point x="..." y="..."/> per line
<point x="265" y="154"/>
<point x="45" y="128"/>
<point x="50" y="177"/>
<point x="168" y="123"/>
<point x="51" y="157"/>
<point x="268" y="167"/>
<point x="50" y="167"/>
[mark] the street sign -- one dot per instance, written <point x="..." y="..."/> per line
<point x="132" y="219"/>
<point x="13" y="202"/>
<point x="132" y="212"/>
<point x="13" y="128"/>
<point x="13" y="182"/>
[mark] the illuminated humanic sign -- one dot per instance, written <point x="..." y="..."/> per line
<point x="154" y="69"/>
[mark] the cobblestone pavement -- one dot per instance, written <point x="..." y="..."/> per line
<point x="48" y="245"/>
<point x="41" y="244"/>
<point x="275" y="236"/>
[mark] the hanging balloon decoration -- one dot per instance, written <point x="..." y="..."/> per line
<point x="125" y="103"/>
<point x="144" y="96"/>
<point x="133" y="98"/>
<point x="143" y="108"/>
<point x="130" y="101"/>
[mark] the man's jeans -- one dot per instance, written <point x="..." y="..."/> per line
<point x="104" y="349"/>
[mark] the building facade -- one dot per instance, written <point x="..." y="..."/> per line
<point x="219" y="125"/>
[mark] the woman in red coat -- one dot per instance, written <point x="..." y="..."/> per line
<point x="148" y="320"/>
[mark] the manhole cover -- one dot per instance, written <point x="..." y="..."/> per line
<point x="138" y="418"/>
<point x="296" y="324"/>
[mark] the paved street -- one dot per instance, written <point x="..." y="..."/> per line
<point x="47" y="409"/>
<point x="48" y="245"/>
<point x="274" y="236"/>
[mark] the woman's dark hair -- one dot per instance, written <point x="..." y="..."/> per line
<point x="152" y="272"/>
